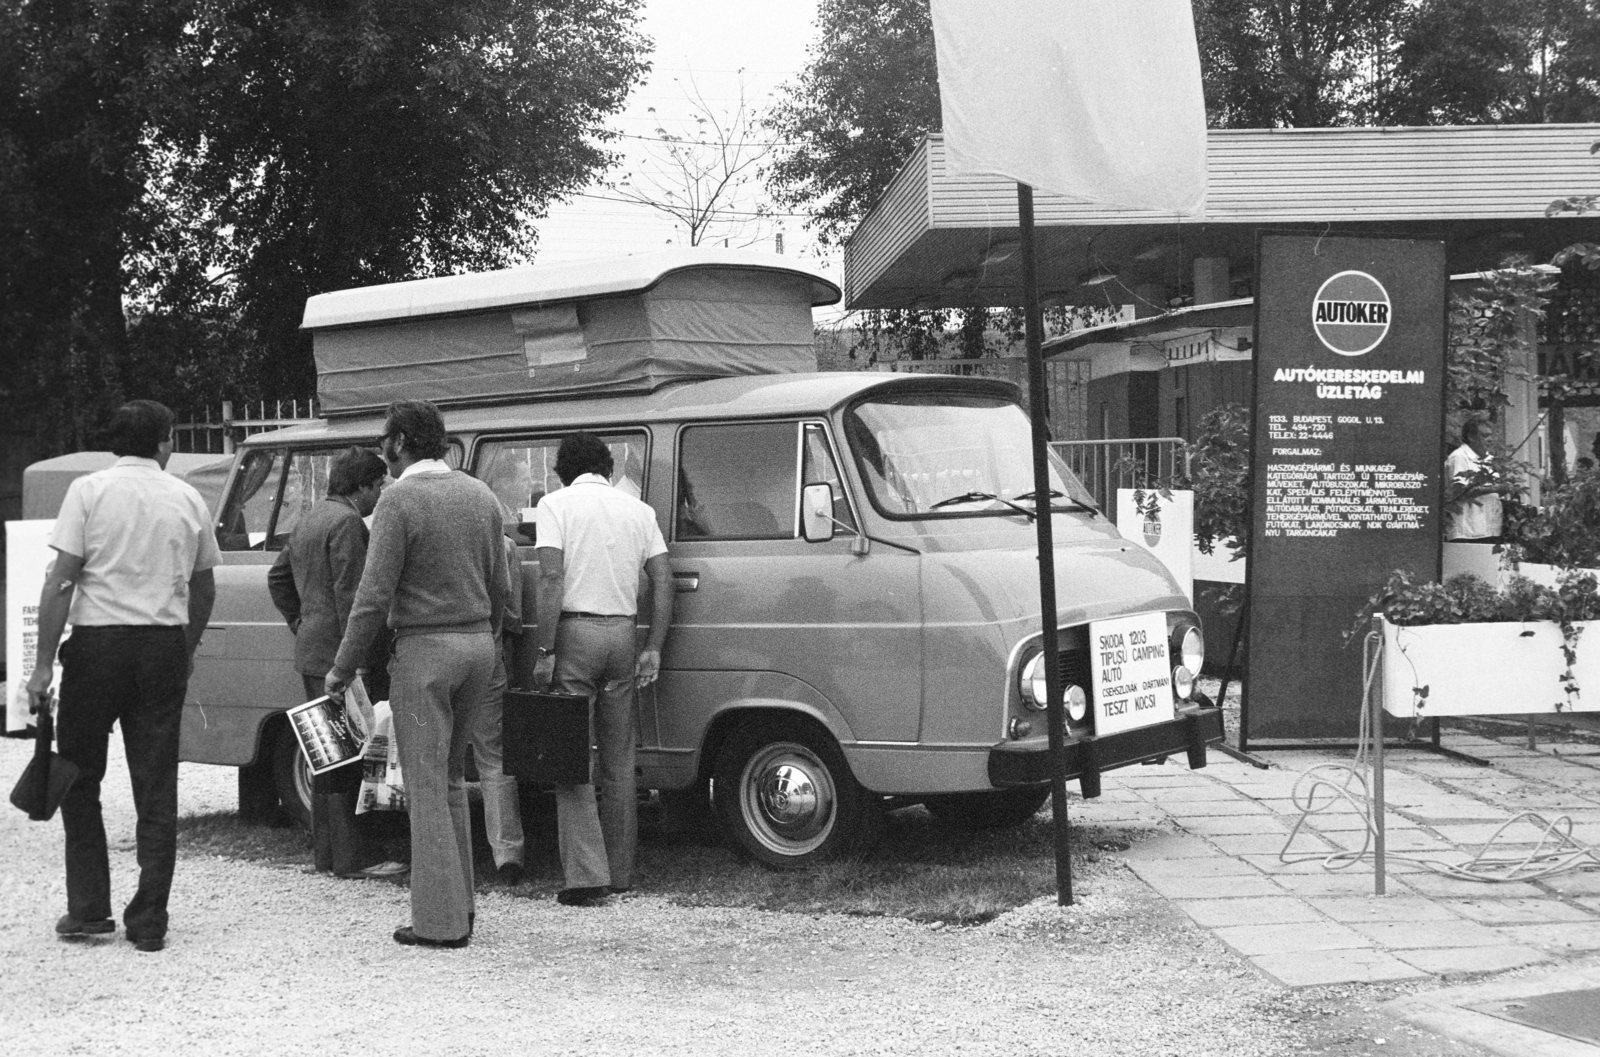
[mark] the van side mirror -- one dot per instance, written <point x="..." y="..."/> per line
<point x="816" y="512"/>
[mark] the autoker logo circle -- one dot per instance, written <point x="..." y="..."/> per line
<point x="1351" y="313"/>
<point x="1152" y="528"/>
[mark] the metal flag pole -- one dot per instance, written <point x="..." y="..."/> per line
<point x="1042" y="503"/>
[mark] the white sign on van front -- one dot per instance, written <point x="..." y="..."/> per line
<point x="28" y="555"/>
<point x="1132" y="673"/>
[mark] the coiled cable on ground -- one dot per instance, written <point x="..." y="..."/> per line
<point x="1326" y="786"/>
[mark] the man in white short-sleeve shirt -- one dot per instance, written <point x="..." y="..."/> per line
<point x="1472" y="497"/>
<point x="593" y="540"/>
<point x="133" y="566"/>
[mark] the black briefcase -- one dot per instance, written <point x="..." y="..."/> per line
<point x="546" y="737"/>
<point x="47" y="777"/>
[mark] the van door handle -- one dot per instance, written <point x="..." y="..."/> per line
<point x="683" y="582"/>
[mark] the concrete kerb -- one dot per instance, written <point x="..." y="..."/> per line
<point x="1450" y="1012"/>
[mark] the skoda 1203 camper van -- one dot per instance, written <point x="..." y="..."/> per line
<point x="857" y="611"/>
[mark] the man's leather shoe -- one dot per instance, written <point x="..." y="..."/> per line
<point x="148" y="944"/>
<point x="582" y="897"/>
<point x="509" y="874"/>
<point x="71" y="926"/>
<point x="406" y="936"/>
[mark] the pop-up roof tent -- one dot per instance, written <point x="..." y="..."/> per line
<point x="613" y="324"/>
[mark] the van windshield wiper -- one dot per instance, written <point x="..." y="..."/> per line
<point x="973" y="497"/>
<point x="1080" y="504"/>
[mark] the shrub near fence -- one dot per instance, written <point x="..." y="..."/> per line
<point x="217" y="433"/>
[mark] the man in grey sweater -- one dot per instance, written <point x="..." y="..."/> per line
<point x="436" y="570"/>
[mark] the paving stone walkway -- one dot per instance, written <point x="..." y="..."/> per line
<point x="1218" y="833"/>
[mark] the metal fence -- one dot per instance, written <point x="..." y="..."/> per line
<point x="1133" y="462"/>
<point x="218" y="433"/>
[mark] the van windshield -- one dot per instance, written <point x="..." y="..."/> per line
<point x="952" y="455"/>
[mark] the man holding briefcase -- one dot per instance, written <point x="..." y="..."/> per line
<point x="593" y="540"/>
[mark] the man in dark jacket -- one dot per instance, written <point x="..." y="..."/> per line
<point x="313" y="584"/>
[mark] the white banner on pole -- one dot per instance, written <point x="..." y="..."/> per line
<point x="1095" y="100"/>
<point x="28" y="556"/>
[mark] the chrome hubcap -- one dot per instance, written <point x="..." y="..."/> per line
<point x="787" y="798"/>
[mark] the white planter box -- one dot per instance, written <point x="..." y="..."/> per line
<point x="1486" y="669"/>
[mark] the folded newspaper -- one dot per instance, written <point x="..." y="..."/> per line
<point x="383" y="786"/>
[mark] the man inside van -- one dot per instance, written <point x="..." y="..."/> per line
<point x="134" y="554"/>
<point x="593" y="541"/>
<point x="436" y="571"/>
<point x="313" y="583"/>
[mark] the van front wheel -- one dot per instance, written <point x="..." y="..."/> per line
<point x="787" y="797"/>
<point x="292" y="775"/>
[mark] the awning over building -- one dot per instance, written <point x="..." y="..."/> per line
<point x="937" y="242"/>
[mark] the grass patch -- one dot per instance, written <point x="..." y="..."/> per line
<point x="920" y="870"/>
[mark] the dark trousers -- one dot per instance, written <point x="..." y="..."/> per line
<point x="135" y="676"/>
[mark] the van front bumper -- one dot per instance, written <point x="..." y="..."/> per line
<point x="1027" y="762"/>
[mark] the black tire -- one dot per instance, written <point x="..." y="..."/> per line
<point x="989" y="809"/>
<point x="787" y="798"/>
<point x="292" y="776"/>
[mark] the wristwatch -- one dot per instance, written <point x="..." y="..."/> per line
<point x="547" y="651"/>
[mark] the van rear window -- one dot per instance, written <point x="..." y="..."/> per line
<point x="950" y="455"/>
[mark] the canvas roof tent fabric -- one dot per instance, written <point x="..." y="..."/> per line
<point x="618" y="324"/>
<point x="45" y="483"/>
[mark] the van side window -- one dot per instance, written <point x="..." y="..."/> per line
<point x="305" y="483"/>
<point x="247" y="514"/>
<point x="521" y="472"/>
<point x="738" y="482"/>
<point x="820" y="468"/>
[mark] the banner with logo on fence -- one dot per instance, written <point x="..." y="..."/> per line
<point x="1163" y="524"/>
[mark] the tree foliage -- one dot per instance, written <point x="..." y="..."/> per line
<point x="867" y="96"/>
<point x="1291" y="63"/>
<point x="200" y="167"/>
<point x="80" y="83"/>
<point x="1494" y="61"/>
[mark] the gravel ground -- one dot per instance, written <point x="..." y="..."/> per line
<point x="266" y="960"/>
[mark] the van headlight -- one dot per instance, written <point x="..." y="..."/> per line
<point x="1035" y="693"/>
<point x="1077" y="703"/>
<point x="1190" y="652"/>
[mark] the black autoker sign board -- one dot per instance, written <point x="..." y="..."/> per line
<point x="1348" y="458"/>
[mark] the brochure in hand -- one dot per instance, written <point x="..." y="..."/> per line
<point x="331" y="734"/>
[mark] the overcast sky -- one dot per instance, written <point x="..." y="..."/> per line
<point x="710" y="40"/>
